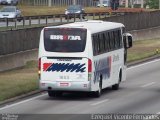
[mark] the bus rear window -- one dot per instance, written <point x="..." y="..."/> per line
<point x="65" y="39"/>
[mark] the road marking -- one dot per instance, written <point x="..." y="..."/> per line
<point x="24" y="101"/>
<point x="149" y="84"/>
<point x="30" y="99"/>
<point x="99" y="102"/>
<point x="143" y="64"/>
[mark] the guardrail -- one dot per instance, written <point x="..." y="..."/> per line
<point x="45" y="20"/>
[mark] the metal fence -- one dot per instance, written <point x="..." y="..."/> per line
<point x="137" y="21"/>
<point x="45" y="20"/>
<point x="85" y="3"/>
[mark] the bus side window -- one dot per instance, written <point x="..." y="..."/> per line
<point x="120" y="38"/>
<point x="107" y="41"/>
<point x="102" y="47"/>
<point x="123" y="31"/>
<point x="93" y="45"/>
<point x="98" y="43"/>
<point x="111" y="36"/>
<point x="116" y="39"/>
<point x="104" y="42"/>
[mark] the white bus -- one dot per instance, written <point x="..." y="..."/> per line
<point x="83" y="56"/>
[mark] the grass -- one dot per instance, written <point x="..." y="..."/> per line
<point x="143" y="49"/>
<point x="18" y="82"/>
<point x="24" y="80"/>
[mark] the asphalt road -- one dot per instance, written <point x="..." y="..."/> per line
<point x="139" y="94"/>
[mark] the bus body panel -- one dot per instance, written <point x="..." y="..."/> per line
<point x="68" y="71"/>
<point x="109" y="66"/>
<point x="64" y="69"/>
<point x="64" y="73"/>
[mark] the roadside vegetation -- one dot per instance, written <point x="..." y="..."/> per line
<point x="19" y="81"/>
<point x="23" y="80"/>
<point x="143" y="49"/>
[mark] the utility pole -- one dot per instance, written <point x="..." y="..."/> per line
<point x="142" y="5"/>
<point x="49" y="3"/>
<point x="101" y="2"/>
<point x="132" y="3"/>
<point x="34" y="3"/>
<point x="126" y="4"/>
<point x="74" y="2"/>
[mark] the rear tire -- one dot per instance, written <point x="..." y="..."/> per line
<point x="116" y="86"/>
<point x="55" y="93"/>
<point x="58" y="93"/>
<point x="99" y="91"/>
<point x="51" y="94"/>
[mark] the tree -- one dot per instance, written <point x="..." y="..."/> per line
<point x="153" y="4"/>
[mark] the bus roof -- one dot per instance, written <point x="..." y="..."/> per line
<point x="92" y="25"/>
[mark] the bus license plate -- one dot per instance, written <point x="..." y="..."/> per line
<point x="64" y="84"/>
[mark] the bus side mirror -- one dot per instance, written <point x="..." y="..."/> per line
<point x="127" y="40"/>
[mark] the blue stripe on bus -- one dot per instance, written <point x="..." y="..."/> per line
<point x="67" y="67"/>
<point x="102" y="67"/>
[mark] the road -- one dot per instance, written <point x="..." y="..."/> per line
<point x="140" y="93"/>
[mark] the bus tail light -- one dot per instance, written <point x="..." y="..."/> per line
<point x="39" y="67"/>
<point x="89" y="69"/>
<point x="89" y="65"/>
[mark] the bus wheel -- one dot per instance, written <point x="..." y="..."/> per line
<point x="51" y="93"/>
<point x="58" y="93"/>
<point x="116" y="86"/>
<point x="54" y="93"/>
<point x="99" y="91"/>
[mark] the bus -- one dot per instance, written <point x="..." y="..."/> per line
<point x="83" y="56"/>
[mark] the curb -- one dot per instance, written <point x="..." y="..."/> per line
<point x="23" y="96"/>
<point x="31" y="94"/>
<point x="129" y="64"/>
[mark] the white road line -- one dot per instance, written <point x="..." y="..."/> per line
<point x="24" y="101"/>
<point x="99" y="102"/>
<point x="140" y="65"/>
<point x="148" y="84"/>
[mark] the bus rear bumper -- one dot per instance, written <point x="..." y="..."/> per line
<point x="65" y="86"/>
